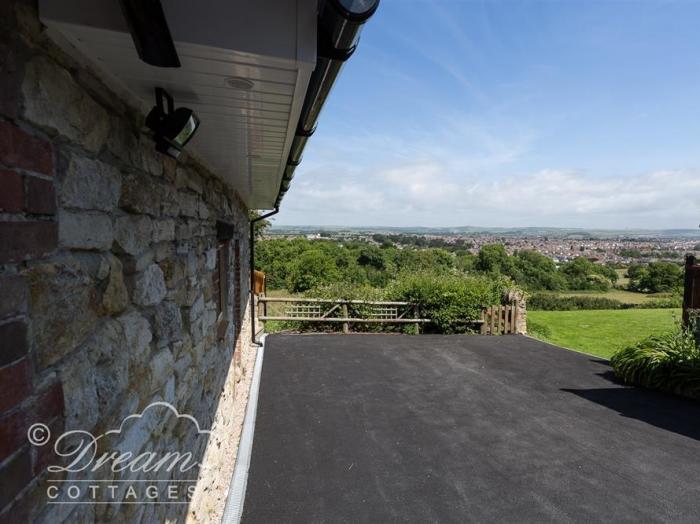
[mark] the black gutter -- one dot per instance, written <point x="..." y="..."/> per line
<point x="251" y="249"/>
<point x="338" y="33"/>
<point x="150" y="32"/>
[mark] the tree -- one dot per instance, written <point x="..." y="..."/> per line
<point x="493" y="258"/>
<point x="660" y="277"/>
<point x="371" y="256"/>
<point x="582" y="274"/>
<point x="313" y="268"/>
<point x="536" y="271"/>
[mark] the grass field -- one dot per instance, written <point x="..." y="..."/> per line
<point x="599" y="332"/>
<point x="626" y="297"/>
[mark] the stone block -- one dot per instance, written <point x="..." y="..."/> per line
<point x="138" y="336"/>
<point x="63" y="310"/>
<point x="141" y="194"/>
<point x="106" y="352"/>
<point x="115" y="297"/>
<point x="89" y="184"/>
<point x="163" y="230"/>
<point x="161" y="368"/>
<point x="149" y="286"/>
<point x="188" y="204"/>
<point x="169" y="204"/>
<point x="146" y="157"/>
<point x="85" y="231"/>
<point x="197" y="309"/>
<point x="52" y="100"/>
<point x="136" y="264"/>
<point x="168" y="322"/>
<point x="80" y="395"/>
<point x="133" y="233"/>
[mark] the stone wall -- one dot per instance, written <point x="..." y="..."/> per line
<point x="107" y="257"/>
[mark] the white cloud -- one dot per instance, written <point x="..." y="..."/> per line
<point x="463" y="172"/>
<point x="428" y="194"/>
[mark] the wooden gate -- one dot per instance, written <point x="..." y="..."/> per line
<point x="499" y="320"/>
<point x="691" y="288"/>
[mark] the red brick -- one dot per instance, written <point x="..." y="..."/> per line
<point x="15" y="384"/>
<point x="20" y="149"/>
<point x="41" y="196"/>
<point x="11" y="191"/>
<point x="48" y="404"/>
<point x="13" y="433"/>
<point x="13" y="341"/>
<point x="14" y="476"/>
<point x="14" y="296"/>
<point x="44" y="456"/>
<point x="25" y="240"/>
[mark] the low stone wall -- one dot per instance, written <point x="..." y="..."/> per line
<point x="109" y="275"/>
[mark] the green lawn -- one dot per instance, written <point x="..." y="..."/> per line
<point x="599" y="332"/>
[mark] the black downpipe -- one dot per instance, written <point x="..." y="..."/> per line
<point x="251" y="249"/>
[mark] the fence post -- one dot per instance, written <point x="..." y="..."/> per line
<point x="492" y="320"/>
<point x="416" y="315"/>
<point x="346" y="325"/>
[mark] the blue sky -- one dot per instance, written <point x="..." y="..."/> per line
<point x="571" y="113"/>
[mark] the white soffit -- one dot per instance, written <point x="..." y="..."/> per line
<point x="245" y="134"/>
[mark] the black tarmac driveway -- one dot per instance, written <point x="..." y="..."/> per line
<point x="392" y="428"/>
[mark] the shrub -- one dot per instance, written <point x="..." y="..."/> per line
<point x="669" y="362"/>
<point x="452" y="302"/>
<point x="672" y="302"/>
<point x="340" y="291"/>
<point x="538" y="330"/>
<point x="551" y="302"/>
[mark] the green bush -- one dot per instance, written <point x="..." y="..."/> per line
<point x="538" y="330"/>
<point x="673" y="302"/>
<point x="551" y="302"/>
<point x="451" y="302"/>
<point x="669" y="362"/>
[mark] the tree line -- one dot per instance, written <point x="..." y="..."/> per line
<point x="299" y="265"/>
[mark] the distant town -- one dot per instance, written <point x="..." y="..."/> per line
<point x="561" y="245"/>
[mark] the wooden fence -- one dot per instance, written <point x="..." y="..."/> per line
<point x="495" y="320"/>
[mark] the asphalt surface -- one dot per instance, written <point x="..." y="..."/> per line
<point x="393" y="428"/>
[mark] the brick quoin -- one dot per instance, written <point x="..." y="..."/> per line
<point x="23" y="240"/>
<point x="41" y="196"/>
<point x="16" y="380"/>
<point x="13" y="342"/>
<point x="13" y="433"/>
<point x="14" y="476"/>
<point x="20" y="149"/>
<point x="48" y="404"/>
<point x="12" y="193"/>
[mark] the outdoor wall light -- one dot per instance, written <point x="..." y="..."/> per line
<point x="171" y="130"/>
